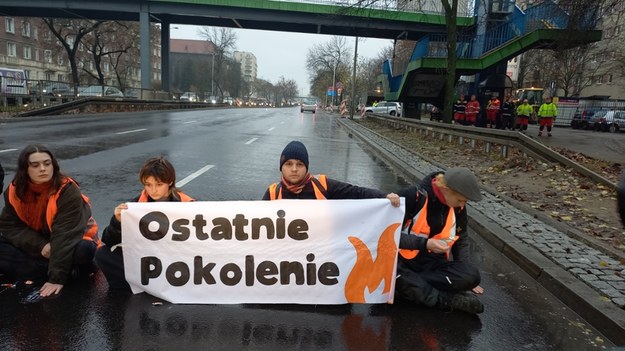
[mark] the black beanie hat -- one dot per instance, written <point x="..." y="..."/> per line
<point x="294" y="150"/>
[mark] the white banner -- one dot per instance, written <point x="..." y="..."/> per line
<point x="286" y="251"/>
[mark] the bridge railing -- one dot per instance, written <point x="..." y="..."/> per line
<point x="546" y="15"/>
<point x="465" y="7"/>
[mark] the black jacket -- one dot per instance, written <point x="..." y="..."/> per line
<point x="436" y="216"/>
<point x="336" y="191"/>
<point x="112" y="235"/>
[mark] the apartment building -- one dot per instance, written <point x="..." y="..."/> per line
<point x="27" y="43"/>
<point x="249" y="68"/>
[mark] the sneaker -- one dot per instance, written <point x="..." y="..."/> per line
<point x="540" y="133"/>
<point x="463" y="301"/>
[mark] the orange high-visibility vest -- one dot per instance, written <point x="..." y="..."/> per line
<point x="420" y="227"/>
<point x="318" y="183"/>
<point x="51" y="210"/>
<point x="183" y="197"/>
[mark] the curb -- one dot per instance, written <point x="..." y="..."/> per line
<point x="601" y="313"/>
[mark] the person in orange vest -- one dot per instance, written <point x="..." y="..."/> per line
<point x="298" y="183"/>
<point x="472" y="111"/>
<point x="158" y="177"/>
<point x="435" y="225"/>
<point x="47" y="231"/>
<point x="492" y="112"/>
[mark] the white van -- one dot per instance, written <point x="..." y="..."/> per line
<point x="13" y="81"/>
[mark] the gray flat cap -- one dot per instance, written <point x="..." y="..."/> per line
<point x="462" y="180"/>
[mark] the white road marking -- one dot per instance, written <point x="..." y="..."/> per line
<point x="189" y="122"/>
<point x="132" y="131"/>
<point x="194" y="175"/>
<point x="251" y="141"/>
<point x="7" y="150"/>
<point x="270" y="129"/>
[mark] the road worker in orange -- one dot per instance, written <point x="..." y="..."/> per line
<point x="158" y="177"/>
<point x="492" y="111"/>
<point x="47" y="232"/>
<point x="298" y="183"/>
<point x="472" y="111"/>
<point x="435" y="226"/>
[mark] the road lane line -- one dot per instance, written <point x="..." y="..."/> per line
<point x="7" y="150"/>
<point x="251" y="141"/>
<point x="132" y="131"/>
<point x="270" y="129"/>
<point x="189" y="122"/>
<point x="194" y="175"/>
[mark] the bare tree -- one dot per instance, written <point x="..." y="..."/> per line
<point x="286" y="90"/>
<point x="328" y="63"/>
<point x="69" y="33"/>
<point x="224" y="41"/>
<point x="111" y="43"/>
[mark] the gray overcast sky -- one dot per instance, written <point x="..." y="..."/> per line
<point x="284" y="54"/>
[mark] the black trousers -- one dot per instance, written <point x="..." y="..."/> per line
<point x="422" y="283"/>
<point x="16" y="264"/>
<point x="112" y="265"/>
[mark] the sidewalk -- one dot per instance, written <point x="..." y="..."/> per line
<point x="588" y="281"/>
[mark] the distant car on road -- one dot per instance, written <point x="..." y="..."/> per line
<point x="99" y="90"/>
<point x="582" y="117"/>
<point x="308" y="105"/>
<point x="392" y="108"/>
<point x="608" y="120"/>
<point x="189" y="96"/>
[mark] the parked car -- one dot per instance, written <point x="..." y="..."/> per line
<point x="582" y="117"/>
<point x="392" y="108"/>
<point x="50" y="88"/>
<point x="228" y="100"/>
<point x="608" y="120"/>
<point x="308" y="105"/>
<point x="99" y="90"/>
<point x="189" y="96"/>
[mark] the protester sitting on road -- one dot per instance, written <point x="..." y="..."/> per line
<point x="46" y="228"/>
<point x="435" y="225"/>
<point x="298" y="183"/>
<point x="158" y="177"/>
<point x="621" y="199"/>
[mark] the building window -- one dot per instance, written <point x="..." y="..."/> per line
<point x="47" y="35"/>
<point x="36" y="33"/>
<point x="36" y="54"/>
<point x="10" y="25"/>
<point x="26" y="29"/>
<point x="47" y="56"/>
<point x="27" y="52"/>
<point x="11" y="49"/>
<point x="59" y="60"/>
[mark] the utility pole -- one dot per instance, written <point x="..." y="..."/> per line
<point x="334" y="82"/>
<point x="353" y="104"/>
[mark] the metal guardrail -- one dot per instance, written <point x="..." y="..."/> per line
<point x="138" y="104"/>
<point x="492" y="137"/>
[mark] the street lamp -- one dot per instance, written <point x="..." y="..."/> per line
<point x="334" y="82"/>
<point x="213" y="76"/>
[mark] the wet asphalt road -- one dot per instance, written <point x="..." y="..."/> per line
<point x="104" y="153"/>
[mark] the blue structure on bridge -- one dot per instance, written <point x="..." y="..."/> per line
<point x="503" y="32"/>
